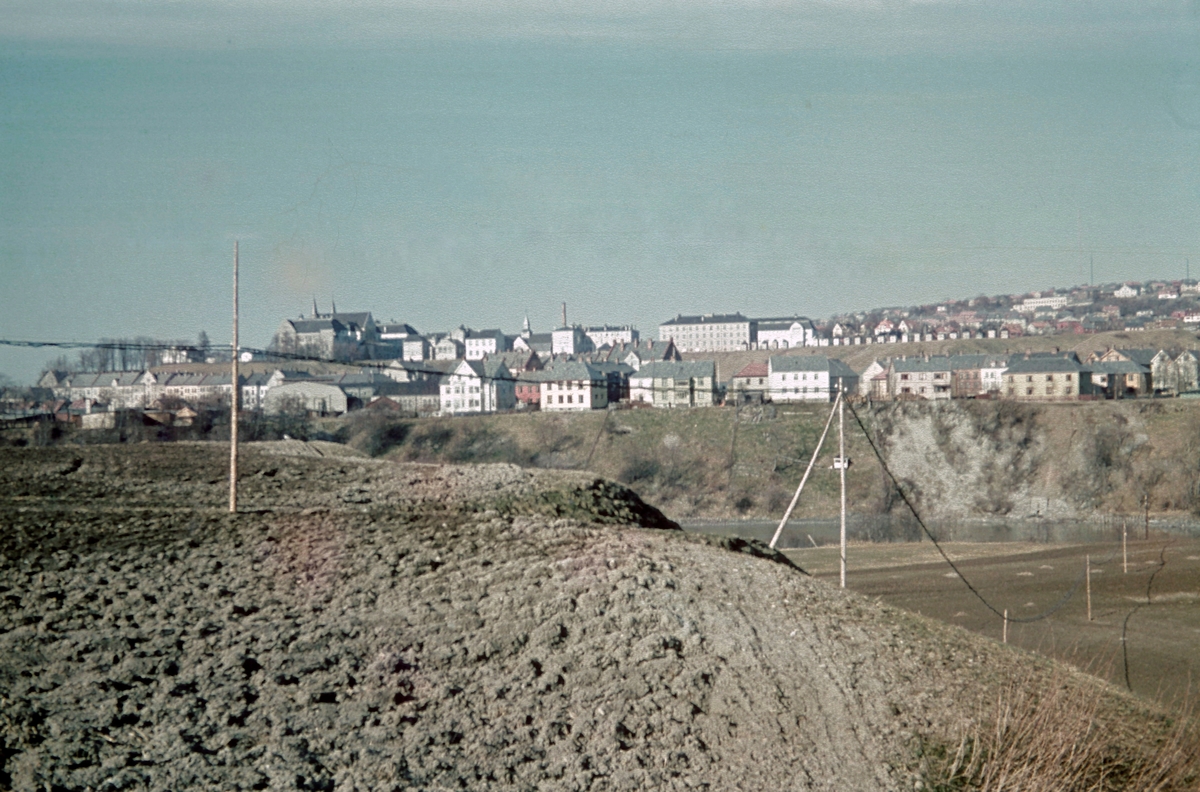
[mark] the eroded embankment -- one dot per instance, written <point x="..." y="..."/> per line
<point x="373" y="626"/>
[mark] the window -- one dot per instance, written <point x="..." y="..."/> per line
<point x="1029" y="391"/>
<point x="1068" y="378"/>
<point x="1049" y="378"/>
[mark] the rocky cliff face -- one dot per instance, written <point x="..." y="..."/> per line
<point x="978" y="459"/>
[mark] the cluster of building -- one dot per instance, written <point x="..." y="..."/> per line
<point x="575" y="367"/>
<point x="1031" y="376"/>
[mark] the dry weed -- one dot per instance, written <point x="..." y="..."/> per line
<point x="1054" y="738"/>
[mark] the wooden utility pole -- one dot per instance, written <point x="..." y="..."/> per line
<point x="233" y="399"/>
<point x="1087" y="562"/>
<point x="842" y="470"/>
<point x="1124" y="548"/>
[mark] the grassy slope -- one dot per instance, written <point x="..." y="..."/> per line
<point x="1099" y="456"/>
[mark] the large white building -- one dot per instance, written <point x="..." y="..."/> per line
<point x="708" y="332"/>
<point x="808" y="378"/>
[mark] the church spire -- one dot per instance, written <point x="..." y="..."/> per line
<point x="314" y="316"/>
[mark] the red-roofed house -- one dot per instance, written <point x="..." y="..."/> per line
<point x="751" y="383"/>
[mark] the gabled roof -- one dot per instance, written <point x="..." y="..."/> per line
<point x="361" y="319"/>
<point x="1143" y="356"/>
<point x="1042" y="365"/>
<point x="1118" y="367"/>
<point x="918" y="364"/>
<point x="497" y="335"/>
<point x="310" y="326"/>
<point x="570" y="370"/>
<point x="833" y="366"/>
<point x="671" y="369"/>
<point x="754" y="370"/>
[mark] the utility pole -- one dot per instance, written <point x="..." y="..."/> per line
<point x="233" y="400"/>
<point x="842" y="468"/>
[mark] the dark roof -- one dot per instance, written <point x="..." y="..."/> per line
<point x="316" y="325"/>
<point x="1118" y="367"/>
<point x="671" y="369"/>
<point x="496" y="334"/>
<point x="935" y="363"/>
<point x="393" y="328"/>
<point x="705" y="319"/>
<point x="1143" y="356"/>
<point x="1041" y="364"/>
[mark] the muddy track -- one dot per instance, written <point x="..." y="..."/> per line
<point x="367" y="626"/>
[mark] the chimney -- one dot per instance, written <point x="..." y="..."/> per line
<point x="564" y="324"/>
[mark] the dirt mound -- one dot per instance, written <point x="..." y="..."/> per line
<point x="408" y="638"/>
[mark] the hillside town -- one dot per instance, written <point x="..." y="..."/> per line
<point x="372" y="364"/>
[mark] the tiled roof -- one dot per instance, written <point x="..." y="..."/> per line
<point x="754" y="370"/>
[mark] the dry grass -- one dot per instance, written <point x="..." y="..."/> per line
<point x="1056" y="737"/>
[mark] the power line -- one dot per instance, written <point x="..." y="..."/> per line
<point x="1057" y="606"/>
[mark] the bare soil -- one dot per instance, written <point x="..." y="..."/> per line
<point x="368" y="625"/>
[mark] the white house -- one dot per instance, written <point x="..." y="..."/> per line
<point x="478" y="344"/>
<point x="477" y="386"/>
<point x="1126" y="292"/>
<point x="808" y="378"/>
<point x="416" y="348"/>
<point x="570" y="341"/>
<point x="448" y="348"/>
<point x="786" y="333"/>
<point x="573" y="386"/>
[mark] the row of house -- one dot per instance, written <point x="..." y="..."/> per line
<point x="1034" y="376"/>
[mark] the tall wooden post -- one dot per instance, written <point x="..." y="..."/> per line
<point x="842" y="469"/>
<point x="233" y="400"/>
<point x="1124" y="549"/>
<point x="1088" y="572"/>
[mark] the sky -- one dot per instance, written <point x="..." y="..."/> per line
<point x="470" y="162"/>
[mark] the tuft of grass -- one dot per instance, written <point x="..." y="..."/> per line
<point x="1050" y="737"/>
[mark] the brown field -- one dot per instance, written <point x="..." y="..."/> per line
<point x="1161" y="633"/>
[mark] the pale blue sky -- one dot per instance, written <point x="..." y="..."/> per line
<point x="468" y="161"/>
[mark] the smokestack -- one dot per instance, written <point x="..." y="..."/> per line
<point x="564" y="324"/>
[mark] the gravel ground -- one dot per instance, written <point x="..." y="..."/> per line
<point x="372" y="626"/>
